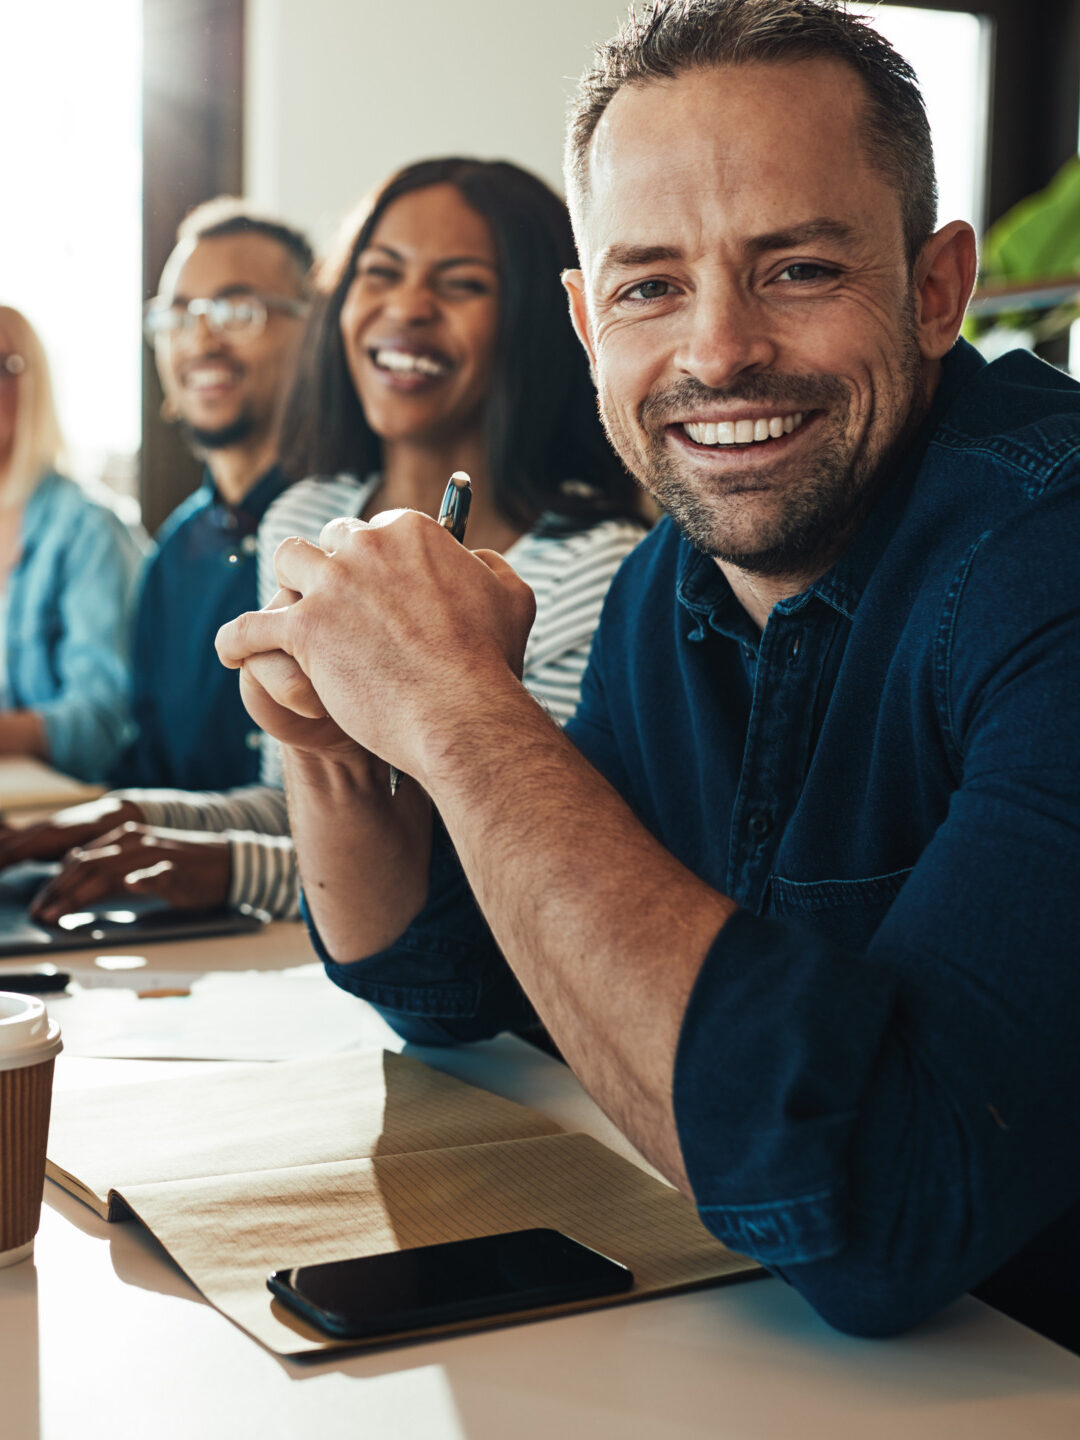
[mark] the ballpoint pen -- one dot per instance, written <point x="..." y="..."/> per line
<point x="453" y="516"/>
<point x="35" y="982"/>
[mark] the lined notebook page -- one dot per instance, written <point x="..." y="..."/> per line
<point x="269" y="1116"/>
<point x="229" y="1232"/>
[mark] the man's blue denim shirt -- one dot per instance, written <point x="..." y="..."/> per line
<point x="193" y="730"/>
<point x="877" y="1082"/>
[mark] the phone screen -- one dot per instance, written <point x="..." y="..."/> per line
<point x="438" y="1284"/>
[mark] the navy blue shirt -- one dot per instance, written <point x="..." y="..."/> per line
<point x="193" y="730"/>
<point x="877" y="1077"/>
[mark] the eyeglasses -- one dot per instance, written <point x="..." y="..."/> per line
<point x="241" y="316"/>
<point x="11" y="366"/>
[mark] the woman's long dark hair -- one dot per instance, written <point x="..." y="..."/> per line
<point x="540" y="418"/>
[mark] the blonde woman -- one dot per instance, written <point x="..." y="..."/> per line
<point x="67" y="572"/>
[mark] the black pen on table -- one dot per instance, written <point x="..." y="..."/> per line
<point x="34" y="982"/>
<point x="453" y="516"/>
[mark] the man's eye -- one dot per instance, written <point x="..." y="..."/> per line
<point x="646" y="290"/>
<point x="378" y="273"/>
<point x="807" y="272"/>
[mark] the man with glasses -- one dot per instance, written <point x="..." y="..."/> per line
<point x="225" y="327"/>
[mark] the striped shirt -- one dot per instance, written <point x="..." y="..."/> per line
<point x="569" y="571"/>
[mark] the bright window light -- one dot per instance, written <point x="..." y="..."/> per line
<point x="70" y="244"/>
<point x="950" y="53"/>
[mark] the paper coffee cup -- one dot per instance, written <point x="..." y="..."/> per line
<point x="29" y="1044"/>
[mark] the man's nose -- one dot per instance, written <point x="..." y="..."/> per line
<point x="198" y="335"/>
<point x="728" y="332"/>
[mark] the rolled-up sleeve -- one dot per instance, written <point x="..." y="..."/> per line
<point x="444" y="980"/>
<point x="888" y="1129"/>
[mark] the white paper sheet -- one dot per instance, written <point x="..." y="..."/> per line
<point x="283" y="1015"/>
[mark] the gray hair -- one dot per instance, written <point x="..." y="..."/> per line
<point x="673" y="36"/>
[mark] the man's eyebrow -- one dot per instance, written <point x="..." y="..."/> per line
<point x="837" y="231"/>
<point x="440" y="264"/>
<point x="630" y="257"/>
<point x="179" y="298"/>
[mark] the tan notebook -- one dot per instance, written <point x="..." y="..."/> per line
<point x="262" y="1167"/>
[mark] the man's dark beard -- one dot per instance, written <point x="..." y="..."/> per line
<point x="220" y="439"/>
<point x="828" y="496"/>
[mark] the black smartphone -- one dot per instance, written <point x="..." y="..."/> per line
<point x="373" y="1295"/>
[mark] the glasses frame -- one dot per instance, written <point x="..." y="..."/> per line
<point x="211" y="308"/>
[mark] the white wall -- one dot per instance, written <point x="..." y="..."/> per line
<point x="342" y="92"/>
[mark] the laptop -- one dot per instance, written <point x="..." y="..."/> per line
<point x="124" y="920"/>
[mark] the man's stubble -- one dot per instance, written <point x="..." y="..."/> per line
<point x="822" y="497"/>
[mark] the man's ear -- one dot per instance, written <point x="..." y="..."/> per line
<point x="944" y="279"/>
<point x="574" y="284"/>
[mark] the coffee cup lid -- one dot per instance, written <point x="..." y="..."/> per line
<point x="27" y="1035"/>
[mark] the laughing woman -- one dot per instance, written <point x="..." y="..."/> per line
<point x="443" y="343"/>
<point x="67" y="570"/>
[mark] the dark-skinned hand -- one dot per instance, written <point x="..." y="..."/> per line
<point x="188" y="870"/>
<point x="53" y="838"/>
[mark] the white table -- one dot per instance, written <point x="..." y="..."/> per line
<point x="34" y="790"/>
<point x="103" y="1336"/>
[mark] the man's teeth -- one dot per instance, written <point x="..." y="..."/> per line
<point x="208" y="378"/>
<point x="405" y="363"/>
<point x="742" y="432"/>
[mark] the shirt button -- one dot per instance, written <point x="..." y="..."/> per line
<point x="253" y="739"/>
<point x="760" y="824"/>
<point x="249" y="544"/>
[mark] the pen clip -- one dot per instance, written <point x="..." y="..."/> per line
<point x="454" y="510"/>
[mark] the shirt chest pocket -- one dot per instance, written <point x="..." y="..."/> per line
<point x="847" y="912"/>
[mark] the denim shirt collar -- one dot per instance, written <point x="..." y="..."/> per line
<point x="703" y="590"/>
<point x="256" y="502"/>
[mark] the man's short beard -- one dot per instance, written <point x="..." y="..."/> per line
<point x="830" y="491"/>
<point x="221" y="439"/>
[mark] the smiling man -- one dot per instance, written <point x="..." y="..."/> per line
<point x="796" y="892"/>
<point x="226" y="328"/>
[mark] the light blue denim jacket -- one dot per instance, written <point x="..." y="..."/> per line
<point x="68" y="626"/>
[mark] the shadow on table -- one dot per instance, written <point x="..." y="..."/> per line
<point x="20" y="1400"/>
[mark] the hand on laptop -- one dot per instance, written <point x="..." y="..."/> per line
<point x="51" y="839"/>
<point x="189" y="871"/>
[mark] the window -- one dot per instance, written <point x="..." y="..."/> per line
<point x="950" y="53"/>
<point x="70" y="245"/>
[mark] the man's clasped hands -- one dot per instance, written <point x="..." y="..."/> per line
<point x="379" y="642"/>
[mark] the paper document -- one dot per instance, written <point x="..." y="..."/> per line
<point x="228" y="1015"/>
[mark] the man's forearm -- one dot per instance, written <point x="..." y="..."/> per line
<point x="363" y="855"/>
<point x="604" y="929"/>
